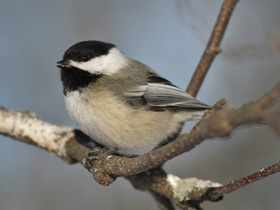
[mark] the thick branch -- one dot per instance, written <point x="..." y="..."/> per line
<point x="213" y="47"/>
<point x="27" y="127"/>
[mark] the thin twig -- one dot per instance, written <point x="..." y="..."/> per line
<point x="237" y="184"/>
<point x="213" y="47"/>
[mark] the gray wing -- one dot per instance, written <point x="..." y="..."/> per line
<point x="159" y="92"/>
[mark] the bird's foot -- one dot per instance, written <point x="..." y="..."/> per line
<point x="93" y="162"/>
<point x="95" y="154"/>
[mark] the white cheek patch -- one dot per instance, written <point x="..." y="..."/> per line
<point x="105" y="64"/>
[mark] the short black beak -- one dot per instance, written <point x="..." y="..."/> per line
<point x="62" y="64"/>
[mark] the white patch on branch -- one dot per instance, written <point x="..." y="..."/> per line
<point x="182" y="187"/>
<point x="29" y="128"/>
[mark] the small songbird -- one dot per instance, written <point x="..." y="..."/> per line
<point x="121" y="103"/>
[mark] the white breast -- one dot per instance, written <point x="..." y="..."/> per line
<point x="80" y="112"/>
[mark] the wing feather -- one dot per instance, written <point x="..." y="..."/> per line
<point x="164" y="95"/>
<point x="159" y="92"/>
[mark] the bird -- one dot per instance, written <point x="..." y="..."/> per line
<point x="121" y="103"/>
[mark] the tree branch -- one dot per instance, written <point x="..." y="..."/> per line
<point x="71" y="145"/>
<point x="213" y="47"/>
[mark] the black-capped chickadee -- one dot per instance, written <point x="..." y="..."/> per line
<point x="120" y="102"/>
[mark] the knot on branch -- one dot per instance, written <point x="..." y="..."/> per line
<point x="216" y="122"/>
<point x="220" y="123"/>
<point x="214" y="50"/>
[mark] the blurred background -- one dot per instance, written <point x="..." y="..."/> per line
<point x="167" y="35"/>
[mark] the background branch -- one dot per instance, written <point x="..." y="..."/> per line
<point x="212" y="48"/>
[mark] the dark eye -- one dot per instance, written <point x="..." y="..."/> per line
<point x="85" y="58"/>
